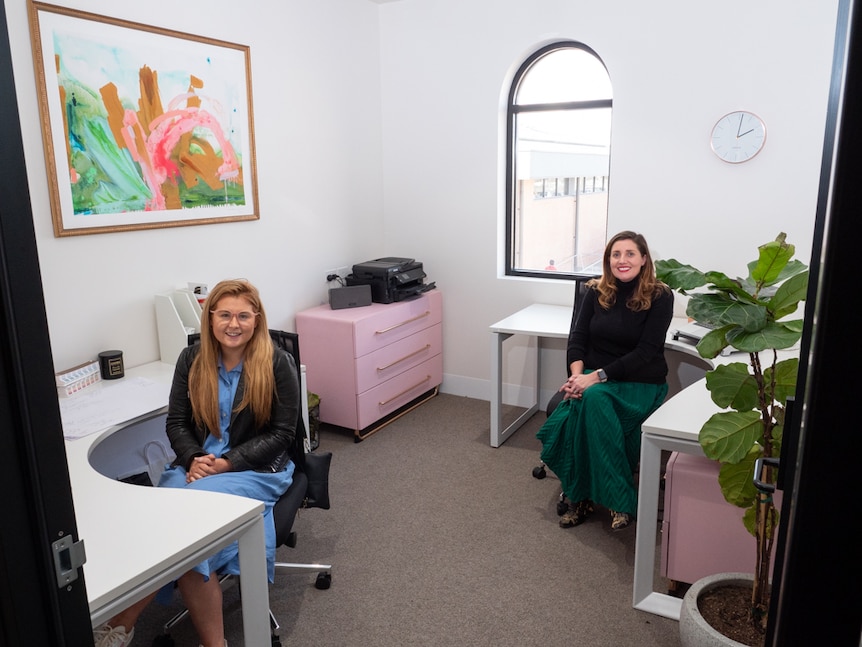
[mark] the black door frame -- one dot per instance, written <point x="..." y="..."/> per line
<point x="816" y="589"/>
<point x="34" y="479"/>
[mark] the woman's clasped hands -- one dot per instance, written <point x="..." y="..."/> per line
<point x="202" y="466"/>
<point x="575" y="386"/>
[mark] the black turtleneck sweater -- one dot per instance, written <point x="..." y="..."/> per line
<point x="628" y="345"/>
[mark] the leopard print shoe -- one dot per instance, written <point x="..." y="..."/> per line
<point x="576" y="514"/>
<point x="620" y="520"/>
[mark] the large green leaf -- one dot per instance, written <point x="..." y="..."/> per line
<point x="729" y="435"/>
<point x="713" y="342"/>
<point x="721" y="283"/>
<point x="678" y="276"/>
<point x="721" y="310"/>
<point x="788" y="296"/>
<point x="736" y="480"/>
<point x="773" y="258"/>
<point x="772" y="335"/>
<point x="731" y="385"/>
<point x="786" y="372"/>
<point x="793" y="268"/>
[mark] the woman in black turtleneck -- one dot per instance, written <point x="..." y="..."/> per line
<point x="617" y="378"/>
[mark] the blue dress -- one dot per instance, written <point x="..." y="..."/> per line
<point x="266" y="487"/>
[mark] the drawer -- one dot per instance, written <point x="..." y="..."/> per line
<point x="702" y="533"/>
<point x="398" y="391"/>
<point x="396" y="321"/>
<point x="380" y="365"/>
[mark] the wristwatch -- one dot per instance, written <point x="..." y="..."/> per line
<point x="603" y="377"/>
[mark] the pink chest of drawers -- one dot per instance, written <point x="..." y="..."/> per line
<point x="366" y="363"/>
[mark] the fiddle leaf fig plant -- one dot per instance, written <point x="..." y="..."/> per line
<point x="748" y="315"/>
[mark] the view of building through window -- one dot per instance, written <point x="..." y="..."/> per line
<point x="559" y="159"/>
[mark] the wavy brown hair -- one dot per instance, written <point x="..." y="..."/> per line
<point x="257" y="373"/>
<point x="648" y="286"/>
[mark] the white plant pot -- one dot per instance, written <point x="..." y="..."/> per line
<point x="694" y="631"/>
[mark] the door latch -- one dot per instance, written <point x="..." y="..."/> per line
<point x="766" y="488"/>
<point x="69" y="556"/>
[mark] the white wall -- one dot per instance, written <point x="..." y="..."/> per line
<point x="364" y="112"/>
<point x="316" y="92"/>
<point x="676" y="67"/>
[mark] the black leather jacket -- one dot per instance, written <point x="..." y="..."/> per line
<point x="262" y="449"/>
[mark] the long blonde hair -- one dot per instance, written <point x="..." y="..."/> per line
<point x="648" y="286"/>
<point x="257" y="373"/>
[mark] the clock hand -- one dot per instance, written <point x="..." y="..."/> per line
<point x="745" y="133"/>
<point x="738" y="128"/>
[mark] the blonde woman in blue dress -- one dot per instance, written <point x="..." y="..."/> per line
<point x="231" y="420"/>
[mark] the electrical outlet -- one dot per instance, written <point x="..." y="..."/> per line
<point x="338" y="273"/>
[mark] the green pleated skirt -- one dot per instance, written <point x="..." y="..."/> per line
<point x="593" y="444"/>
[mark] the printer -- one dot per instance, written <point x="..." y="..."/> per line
<point x="391" y="278"/>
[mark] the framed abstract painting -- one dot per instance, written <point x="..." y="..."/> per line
<point x="143" y="127"/>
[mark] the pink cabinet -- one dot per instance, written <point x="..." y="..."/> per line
<point x="368" y="362"/>
<point x="702" y="534"/>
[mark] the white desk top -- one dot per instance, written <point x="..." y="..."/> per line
<point x="545" y="320"/>
<point x="539" y="319"/>
<point x="135" y="536"/>
<point x="683" y="415"/>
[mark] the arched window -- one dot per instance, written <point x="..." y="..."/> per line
<point x="558" y="163"/>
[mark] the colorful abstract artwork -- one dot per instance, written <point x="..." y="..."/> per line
<point x="143" y="127"/>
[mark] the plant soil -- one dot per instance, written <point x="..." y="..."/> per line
<point x="726" y="609"/>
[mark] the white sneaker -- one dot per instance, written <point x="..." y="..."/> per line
<point x="107" y="636"/>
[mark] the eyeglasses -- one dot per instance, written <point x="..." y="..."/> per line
<point x="225" y="316"/>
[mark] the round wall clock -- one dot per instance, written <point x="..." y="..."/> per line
<point x="738" y="136"/>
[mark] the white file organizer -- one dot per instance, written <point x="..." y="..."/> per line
<point x="178" y="314"/>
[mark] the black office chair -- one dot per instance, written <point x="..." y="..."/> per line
<point x="540" y="471"/>
<point x="309" y="489"/>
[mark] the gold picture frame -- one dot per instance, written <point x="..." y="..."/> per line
<point x="143" y="127"/>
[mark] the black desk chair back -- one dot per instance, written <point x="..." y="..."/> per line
<point x="309" y="489"/>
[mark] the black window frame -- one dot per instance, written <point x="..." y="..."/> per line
<point x="512" y="111"/>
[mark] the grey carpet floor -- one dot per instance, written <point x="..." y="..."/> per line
<point x="436" y="538"/>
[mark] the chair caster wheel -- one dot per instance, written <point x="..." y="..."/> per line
<point x="276" y="641"/>
<point x="164" y="640"/>
<point x="539" y="472"/>
<point x="562" y="506"/>
<point x="324" y="580"/>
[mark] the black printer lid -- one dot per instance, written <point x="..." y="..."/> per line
<point x="388" y="264"/>
<point x="388" y="261"/>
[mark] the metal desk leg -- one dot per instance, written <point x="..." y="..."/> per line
<point x="254" y="586"/>
<point x="498" y="434"/>
<point x="644" y="597"/>
<point x="497" y="340"/>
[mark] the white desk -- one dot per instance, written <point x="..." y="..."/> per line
<point x="537" y="320"/>
<point x="139" y="538"/>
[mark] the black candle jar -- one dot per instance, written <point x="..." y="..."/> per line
<point x="111" y="364"/>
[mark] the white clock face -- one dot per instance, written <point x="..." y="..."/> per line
<point x="738" y="136"/>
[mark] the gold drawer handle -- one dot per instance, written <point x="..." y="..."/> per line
<point x="395" y="397"/>
<point x="403" y="323"/>
<point x="397" y="361"/>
